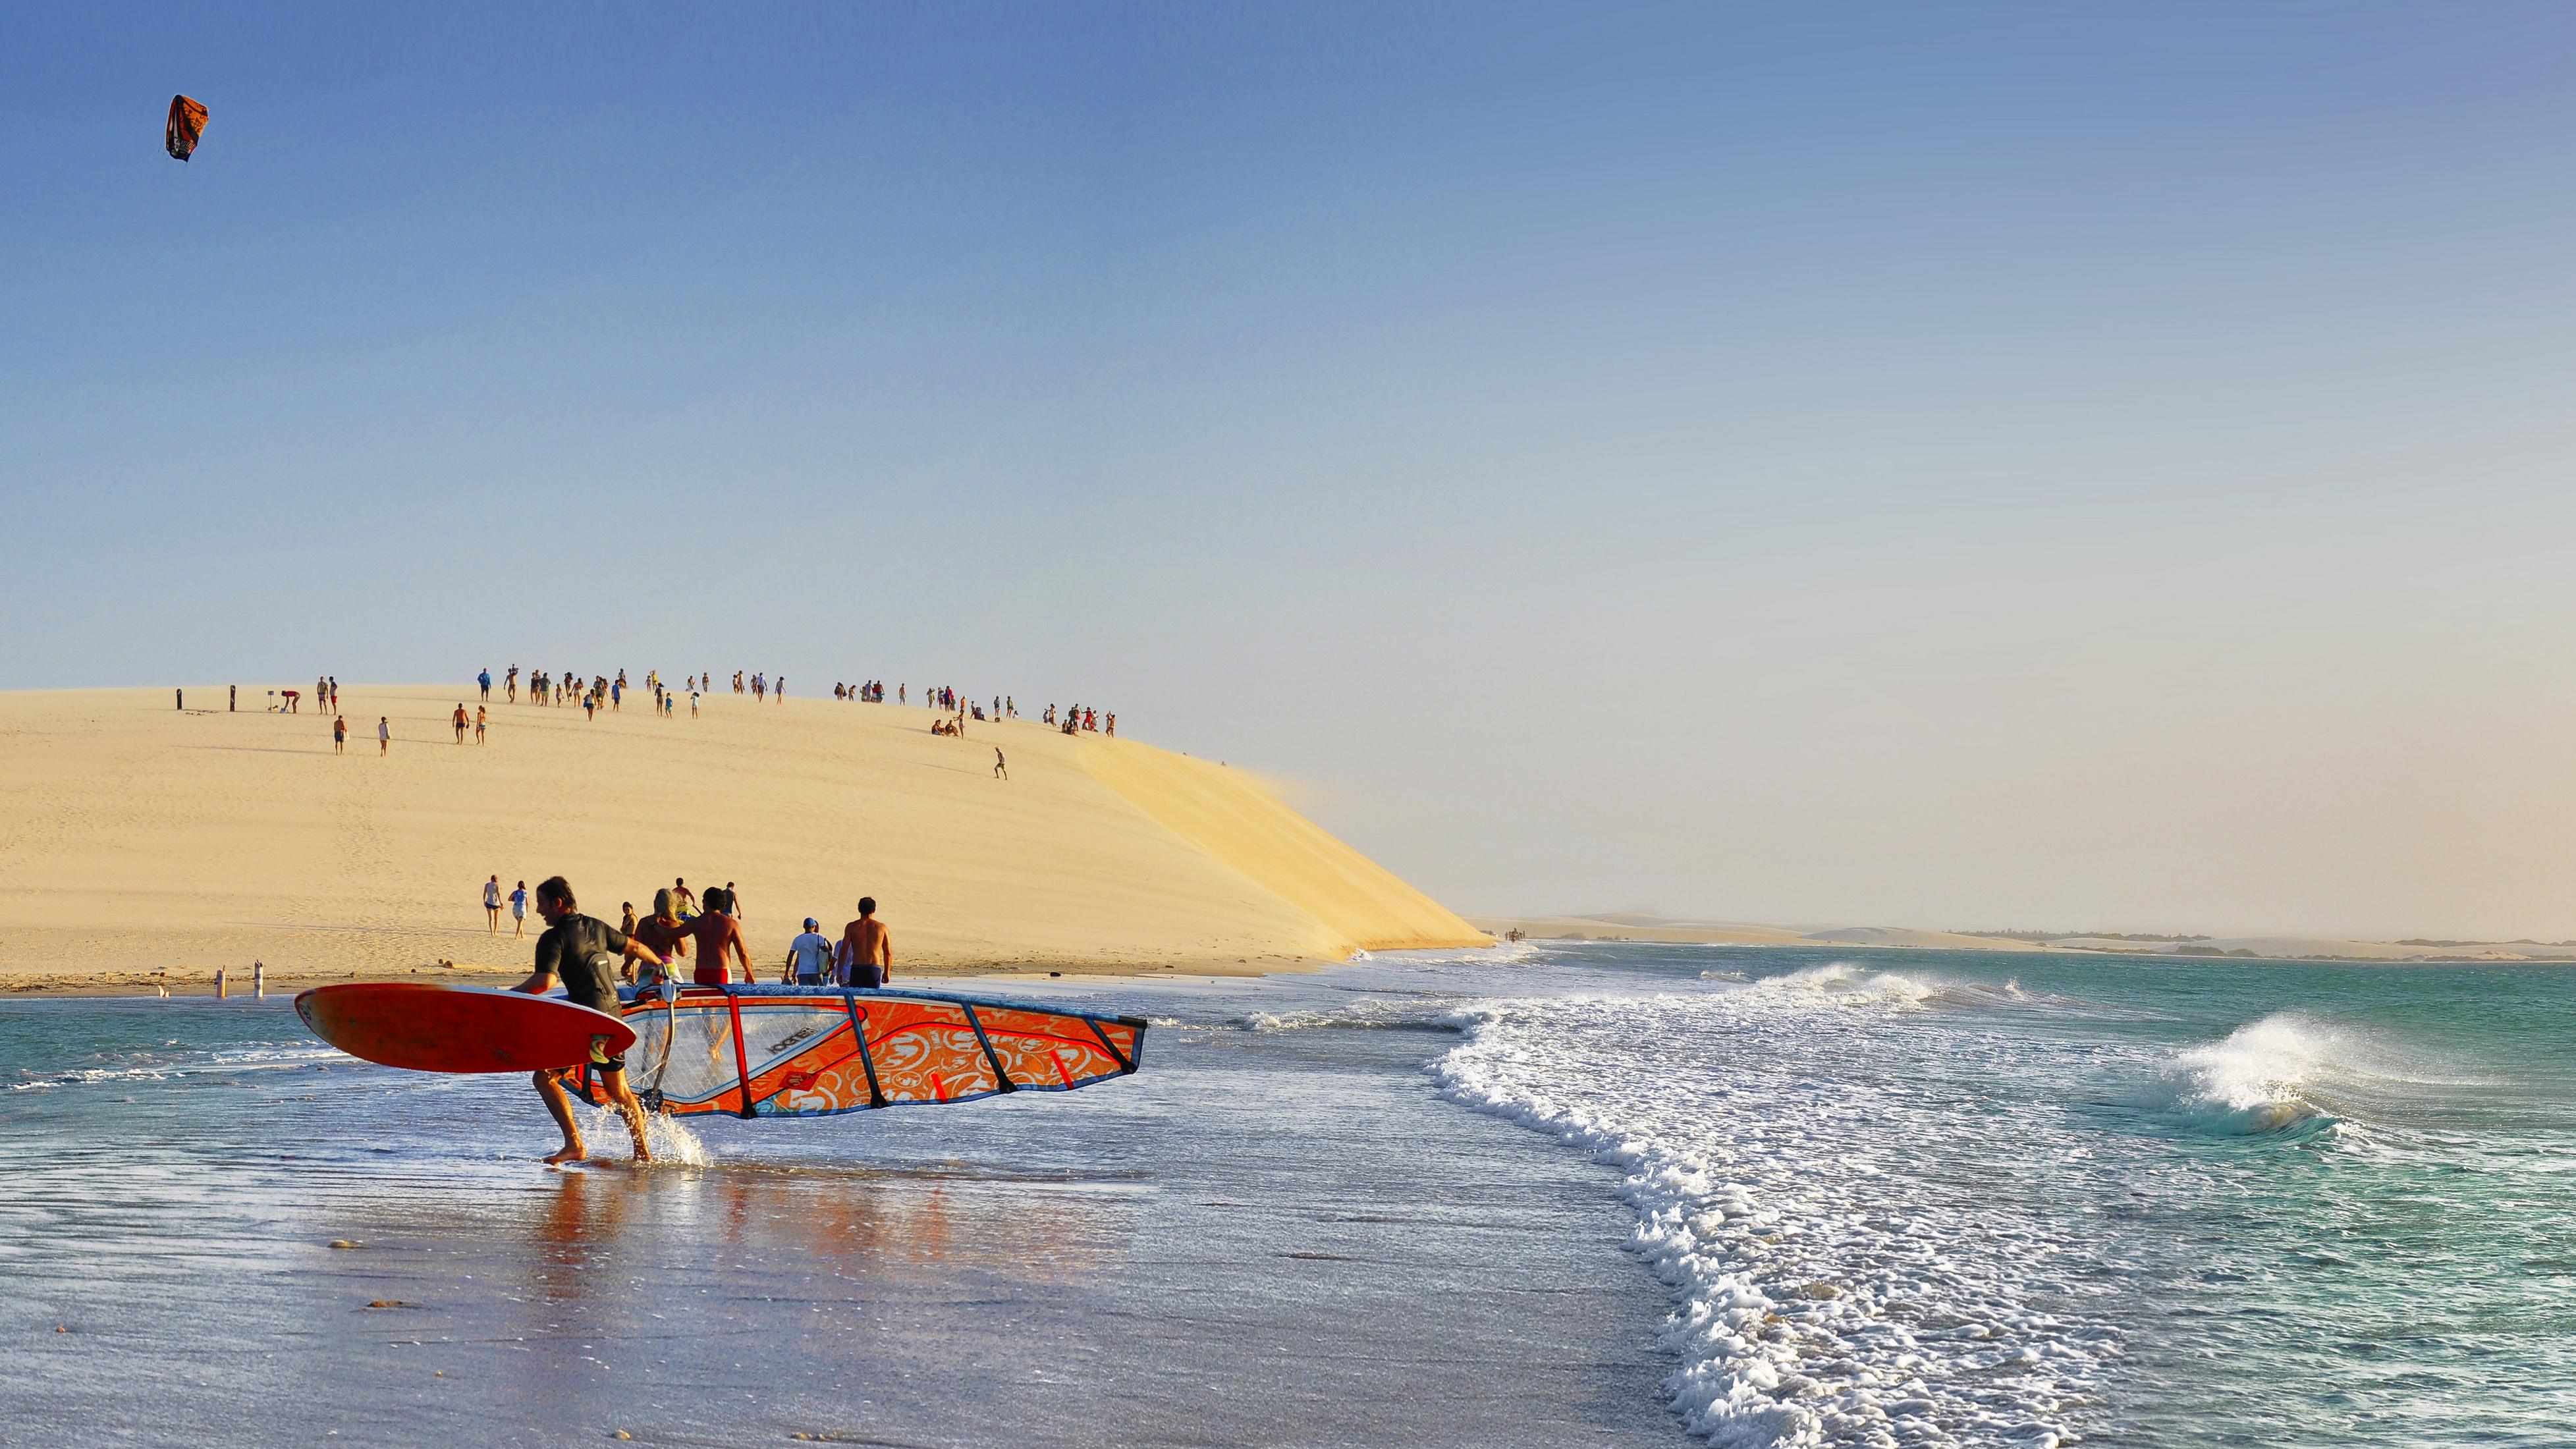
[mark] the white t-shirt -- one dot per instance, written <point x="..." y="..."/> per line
<point x="812" y="951"/>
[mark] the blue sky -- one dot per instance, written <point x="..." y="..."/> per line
<point x="2040" y="465"/>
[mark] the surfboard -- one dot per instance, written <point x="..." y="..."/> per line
<point x="432" y="1027"/>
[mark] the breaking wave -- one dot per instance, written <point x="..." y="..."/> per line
<point x="2292" y="1075"/>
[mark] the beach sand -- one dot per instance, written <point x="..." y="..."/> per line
<point x="138" y="841"/>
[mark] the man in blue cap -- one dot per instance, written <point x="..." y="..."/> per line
<point x="806" y="956"/>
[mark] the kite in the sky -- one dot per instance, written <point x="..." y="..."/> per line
<point x="187" y="123"/>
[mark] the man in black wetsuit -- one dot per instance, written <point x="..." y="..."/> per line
<point x="586" y="953"/>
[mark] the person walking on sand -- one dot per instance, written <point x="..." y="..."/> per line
<point x="485" y="679"/>
<point x="683" y="898"/>
<point x="1001" y="767"/>
<point x="479" y="722"/>
<point x="665" y="932"/>
<point x="588" y="956"/>
<point x="492" y="904"/>
<point x="719" y="942"/>
<point x="340" y="734"/>
<point x="807" y="957"/>
<point x="733" y="903"/>
<point x="627" y="925"/>
<point x="384" y="736"/>
<point x="519" y="910"/>
<point x="459" y="721"/>
<point x="866" y="955"/>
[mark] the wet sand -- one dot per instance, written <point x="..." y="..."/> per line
<point x="1265" y="1237"/>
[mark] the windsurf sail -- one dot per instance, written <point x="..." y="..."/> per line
<point x="818" y="1051"/>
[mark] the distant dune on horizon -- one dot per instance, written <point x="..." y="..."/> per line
<point x="1632" y="926"/>
<point x="135" y="838"/>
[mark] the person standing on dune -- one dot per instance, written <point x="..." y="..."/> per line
<point x="340" y="734"/>
<point x="492" y="904"/>
<point x="384" y="736"/>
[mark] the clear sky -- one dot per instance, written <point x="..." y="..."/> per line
<point x="2072" y="466"/>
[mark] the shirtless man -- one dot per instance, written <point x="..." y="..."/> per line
<point x="684" y="901"/>
<point x="587" y="954"/>
<point x="717" y="934"/>
<point x="665" y="932"/>
<point x="866" y="955"/>
<point x="460" y="722"/>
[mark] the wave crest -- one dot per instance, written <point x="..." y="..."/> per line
<point x="2291" y="1075"/>
<point x="1846" y="983"/>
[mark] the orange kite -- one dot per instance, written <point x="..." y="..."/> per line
<point x="187" y="123"/>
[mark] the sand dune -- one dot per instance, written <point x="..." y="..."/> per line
<point x="135" y="838"/>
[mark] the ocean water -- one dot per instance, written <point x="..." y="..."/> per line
<point x="1581" y="1194"/>
<point x="2022" y="1200"/>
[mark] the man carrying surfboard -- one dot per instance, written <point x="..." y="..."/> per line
<point x="587" y="953"/>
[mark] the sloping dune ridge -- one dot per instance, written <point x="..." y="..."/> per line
<point x="1357" y="902"/>
<point x="137" y="838"/>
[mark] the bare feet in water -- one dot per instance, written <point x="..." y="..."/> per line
<point x="572" y="1153"/>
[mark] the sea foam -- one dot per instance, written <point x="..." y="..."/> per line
<point x="1789" y="1162"/>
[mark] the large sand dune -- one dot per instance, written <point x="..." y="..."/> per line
<point x="134" y="838"/>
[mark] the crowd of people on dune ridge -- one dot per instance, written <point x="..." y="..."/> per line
<point x="950" y="710"/>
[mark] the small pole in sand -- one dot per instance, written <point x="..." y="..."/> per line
<point x="181" y="696"/>
<point x="220" y="992"/>
<point x="232" y="698"/>
<point x="259" y="979"/>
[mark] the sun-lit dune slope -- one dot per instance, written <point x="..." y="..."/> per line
<point x="135" y="837"/>
<point x="1356" y="901"/>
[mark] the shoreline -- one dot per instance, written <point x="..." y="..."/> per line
<point x="196" y="984"/>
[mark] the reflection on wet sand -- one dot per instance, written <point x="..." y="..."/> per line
<point x="878" y="1222"/>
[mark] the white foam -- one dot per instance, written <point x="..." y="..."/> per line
<point x="1792" y="1177"/>
<point x="2291" y="1070"/>
<point x="604" y="1132"/>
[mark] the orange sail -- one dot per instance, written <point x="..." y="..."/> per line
<point x="805" y="1051"/>
<point x="187" y="123"/>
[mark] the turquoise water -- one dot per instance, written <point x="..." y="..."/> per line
<point x="1960" y="1198"/>
<point x="1589" y="1194"/>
